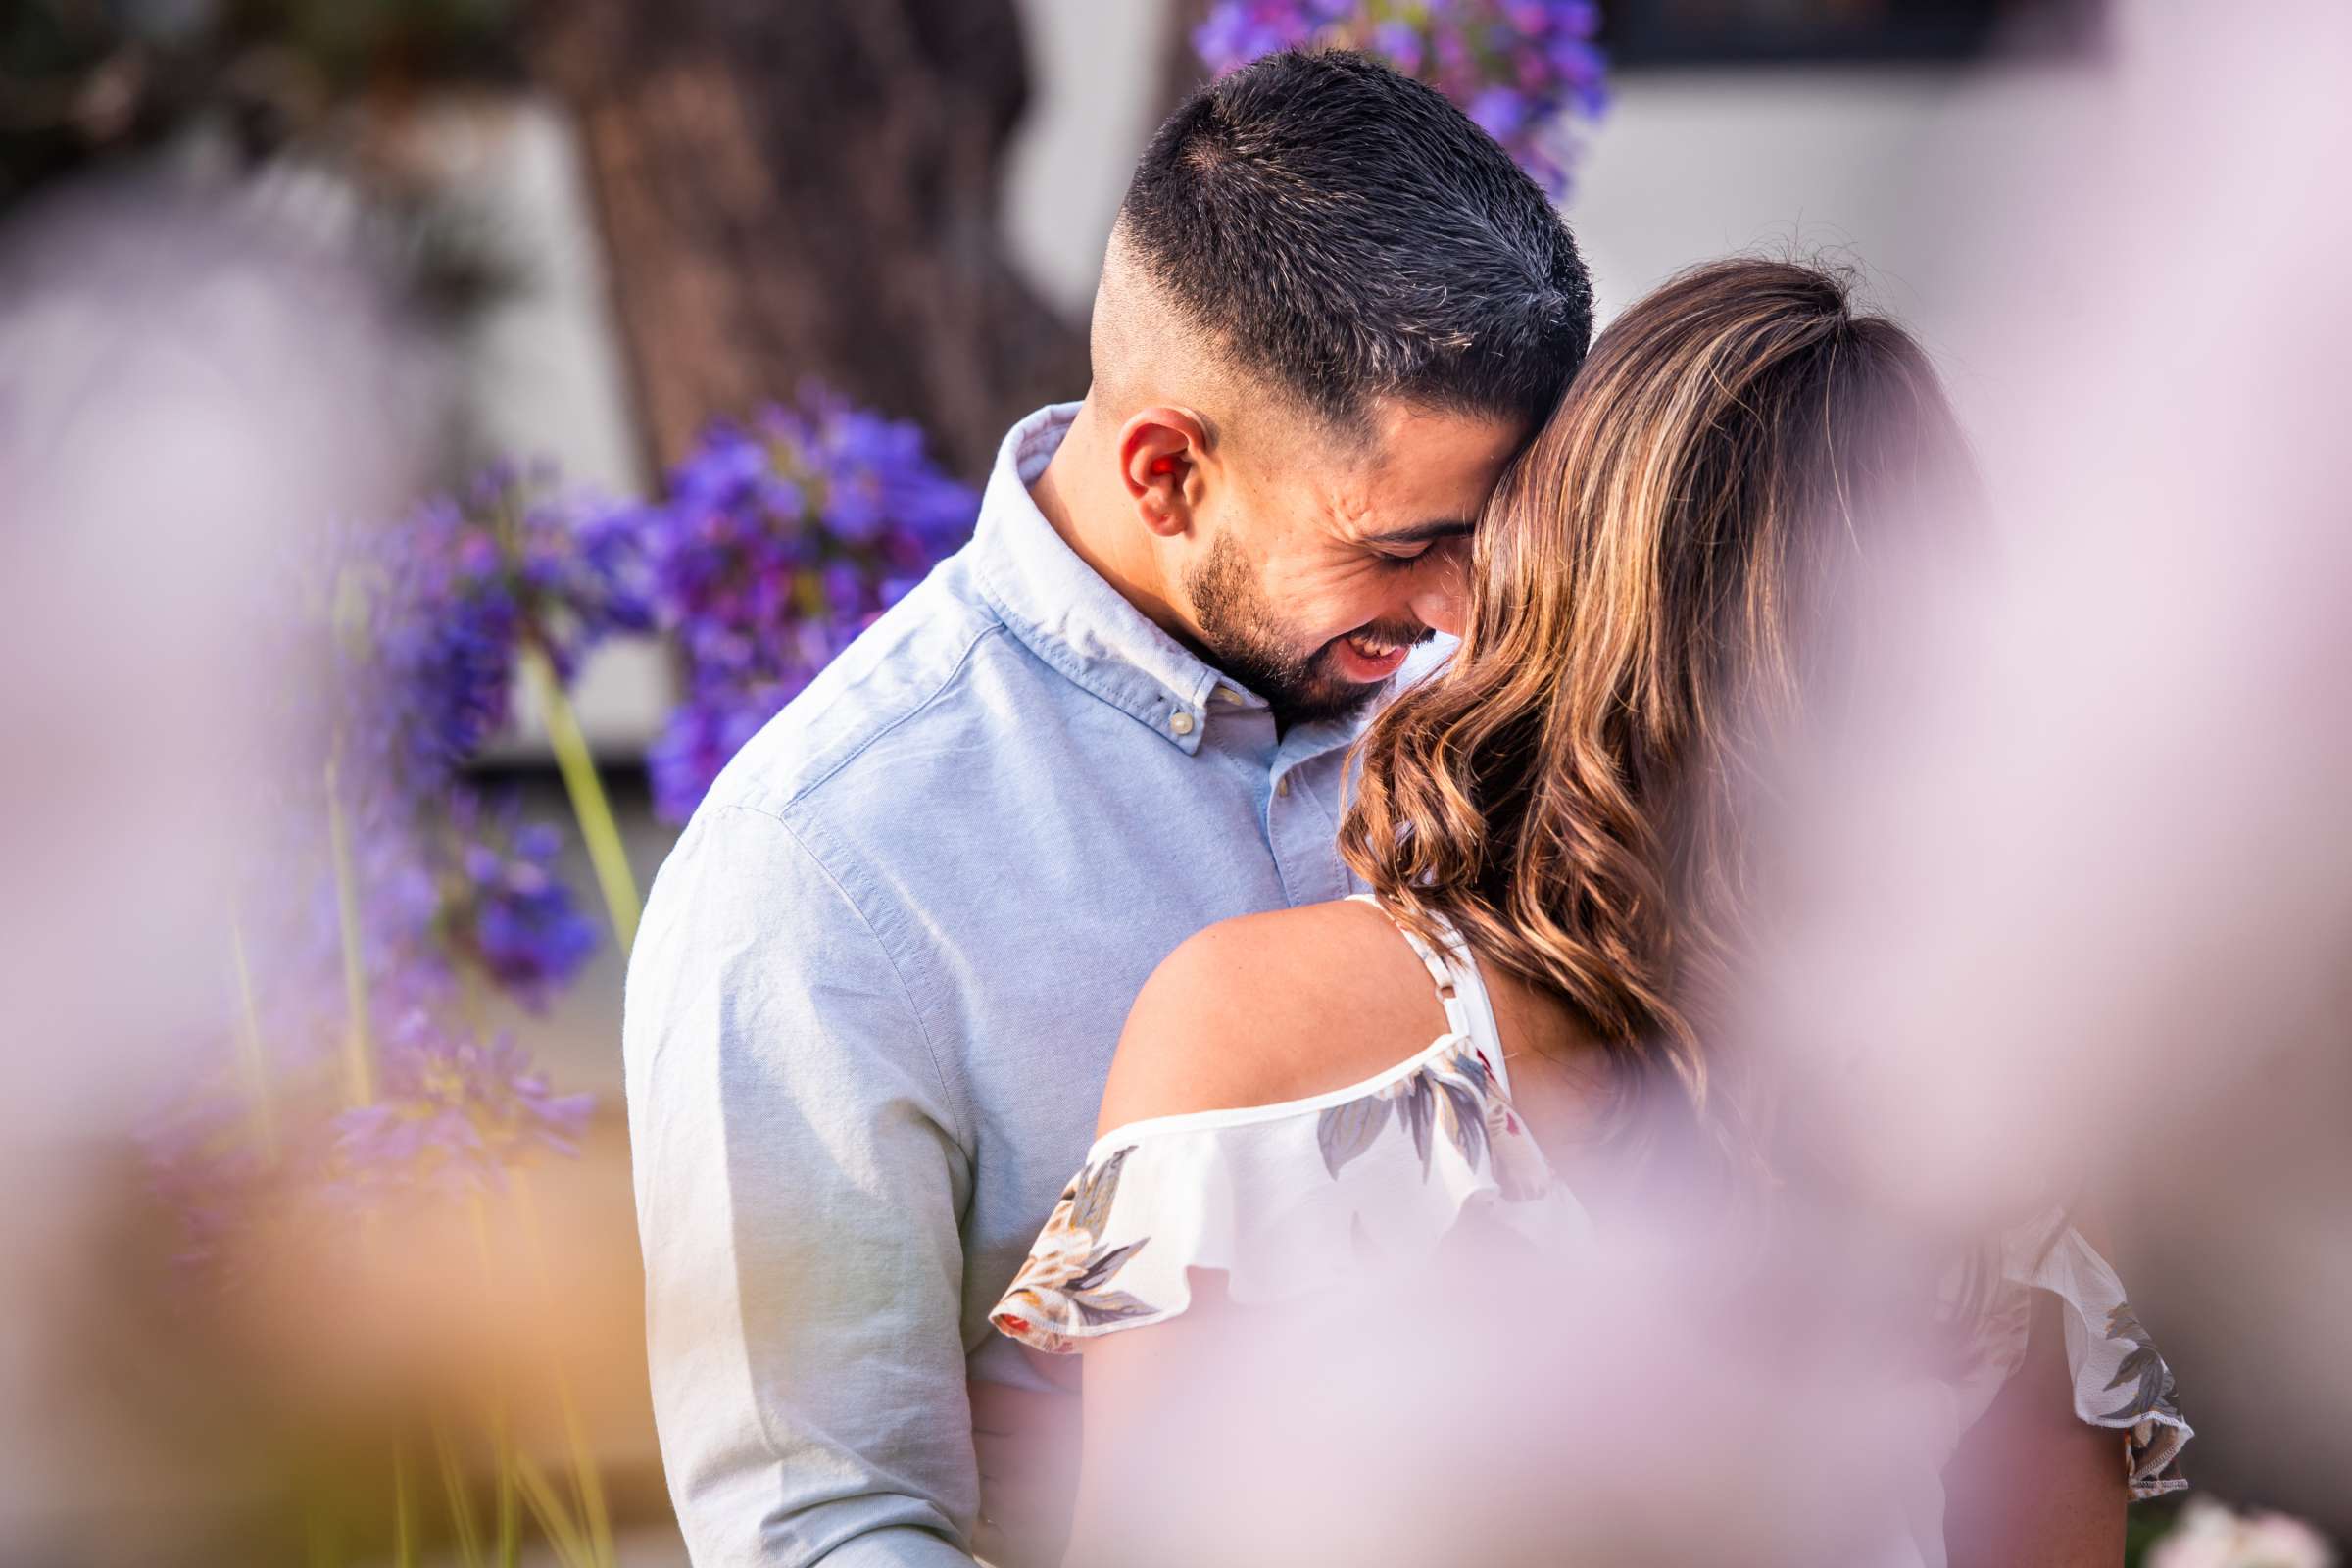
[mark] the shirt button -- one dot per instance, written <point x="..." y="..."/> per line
<point x="1282" y="785"/>
<point x="1181" y="722"/>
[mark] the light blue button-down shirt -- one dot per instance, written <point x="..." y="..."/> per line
<point x="873" y="1002"/>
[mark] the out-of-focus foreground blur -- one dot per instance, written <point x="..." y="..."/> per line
<point x="433" y="435"/>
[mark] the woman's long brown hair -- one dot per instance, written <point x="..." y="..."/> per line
<point x="1650" y="590"/>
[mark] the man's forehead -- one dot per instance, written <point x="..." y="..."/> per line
<point x="1413" y="464"/>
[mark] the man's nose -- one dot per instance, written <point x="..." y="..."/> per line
<point x="1443" y="602"/>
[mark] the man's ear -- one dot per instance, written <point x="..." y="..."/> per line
<point x="1162" y="455"/>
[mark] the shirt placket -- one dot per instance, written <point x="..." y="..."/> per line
<point x="1302" y="826"/>
<point x="1298" y="805"/>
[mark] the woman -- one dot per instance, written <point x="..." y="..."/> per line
<point x="1556" y="833"/>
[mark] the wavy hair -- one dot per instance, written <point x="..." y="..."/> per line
<point x="1652" y="587"/>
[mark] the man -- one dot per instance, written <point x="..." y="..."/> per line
<point x="880" y="977"/>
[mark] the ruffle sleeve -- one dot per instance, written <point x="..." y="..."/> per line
<point x="2120" y="1380"/>
<point x="1284" y="1201"/>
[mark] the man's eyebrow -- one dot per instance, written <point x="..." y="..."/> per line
<point x="1421" y="533"/>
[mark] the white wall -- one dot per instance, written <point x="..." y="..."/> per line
<point x="1094" y="80"/>
<point x="1894" y="171"/>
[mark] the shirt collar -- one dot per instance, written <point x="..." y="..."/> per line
<point x="1066" y="613"/>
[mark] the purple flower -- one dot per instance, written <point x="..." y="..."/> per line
<point x="458" y="884"/>
<point x="431" y="612"/>
<point x="503" y="908"/>
<point x="454" y="1111"/>
<point x="204" y="1167"/>
<point x="438" y="645"/>
<point x="778" y="542"/>
<point x="1518" y="68"/>
<point x="1500" y="111"/>
<point x="1233" y="33"/>
<point x="426" y="620"/>
<point x="418" y="626"/>
<point x="1400" y="44"/>
<point x="702" y="735"/>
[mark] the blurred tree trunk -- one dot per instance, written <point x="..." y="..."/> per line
<point x="808" y="188"/>
<point x="1180" y="69"/>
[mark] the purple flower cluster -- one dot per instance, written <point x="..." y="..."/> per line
<point x="1238" y="32"/>
<point x="1518" y="68"/>
<point x="454" y="1111"/>
<point x="434" y="612"/>
<point x="502" y="907"/>
<point x="206" y="1166"/>
<point x="778" y="542"/>
<point x="430" y="616"/>
<point x="419" y="626"/>
<point x="471" y="887"/>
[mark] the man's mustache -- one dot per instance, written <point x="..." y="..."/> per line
<point x="1390" y="634"/>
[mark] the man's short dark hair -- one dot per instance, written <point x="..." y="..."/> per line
<point x="1349" y="234"/>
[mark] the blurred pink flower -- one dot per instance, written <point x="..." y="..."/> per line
<point x="2210" y="1535"/>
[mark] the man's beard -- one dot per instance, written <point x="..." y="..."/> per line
<point x="1247" y="642"/>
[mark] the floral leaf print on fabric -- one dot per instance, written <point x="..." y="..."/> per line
<point x="1094" y="1303"/>
<point x="1453" y="1094"/>
<point x="1462" y="1114"/>
<point x="1063" y="1286"/>
<point x="2152" y="1443"/>
<point x="1091" y="1191"/>
<point x="2153" y="1395"/>
<point x="1346" y="1131"/>
<point x="1415" y="1108"/>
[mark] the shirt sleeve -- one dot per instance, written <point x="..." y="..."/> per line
<point x="798" y="1184"/>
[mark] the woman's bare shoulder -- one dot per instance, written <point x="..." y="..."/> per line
<point x="1270" y="1008"/>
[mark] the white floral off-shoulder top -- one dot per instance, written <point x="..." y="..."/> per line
<point x="1296" y="1199"/>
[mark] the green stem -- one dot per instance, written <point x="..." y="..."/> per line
<point x="507" y="1549"/>
<point x="318" y="1535"/>
<point x="250" y="1064"/>
<point x="502" y="1437"/>
<point x="561" y="1534"/>
<point x="460" y="1505"/>
<point x="587" y="1487"/>
<point x="359" y="1060"/>
<point x="404" y="1511"/>
<point x="588" y="802"/>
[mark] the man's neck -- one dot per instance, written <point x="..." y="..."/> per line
<point x="1080" y="495"/>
